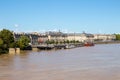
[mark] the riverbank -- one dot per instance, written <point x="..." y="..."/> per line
<point x="75" y="45"/>
<point x="67" y="46"/>
<point x="107" y="42"/>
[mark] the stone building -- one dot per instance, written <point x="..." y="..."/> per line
<point x="81" y="37"/>
<point x="104" y="37"/>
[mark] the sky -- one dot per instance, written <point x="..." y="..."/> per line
<point x="92" y="16"/>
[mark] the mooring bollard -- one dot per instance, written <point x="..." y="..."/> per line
<point x="11" y="50"/>
<point x="14" y="50"/>
<point x="35" y="49"/>
<point x="17" y="50"/>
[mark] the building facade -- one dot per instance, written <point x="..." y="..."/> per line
<point x="81" y="37"/>
<point x="104" y="37"/>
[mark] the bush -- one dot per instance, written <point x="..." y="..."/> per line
<point x="23" y="42"/>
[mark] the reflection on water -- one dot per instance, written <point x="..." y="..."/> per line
<point x="84" y="63"/>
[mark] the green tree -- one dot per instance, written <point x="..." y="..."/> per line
<point x="23" y="42"/>
<point x="6" y="39"/>
<point x="47" y="41"/>
<point x="67" y="41"/>
<point x="56" y="42"/>
<point x="77" y="41"/>
<point x="50" y="42"/>
<point x="1" y="46"/>
<point x="117" y="36"/>
<point x="1" y="42"/>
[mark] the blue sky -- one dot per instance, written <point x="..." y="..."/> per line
<point x="93" y="16"/>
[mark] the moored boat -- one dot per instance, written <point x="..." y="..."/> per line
<point x="88" y="44"/>
<point x="69" y="46"/>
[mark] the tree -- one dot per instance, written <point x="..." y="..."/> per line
<point x="50" y="42"/>
<point x="6" y="39"/>
<point x="77" y="41"/>
<point x="47" y="41"/>
<point x="1" y="45"/>
<point x="23" y="42"/>
<point x="1" y="42"/>
<point x="117" y="36"/>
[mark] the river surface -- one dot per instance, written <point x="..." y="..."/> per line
<point x="101" y="62"/>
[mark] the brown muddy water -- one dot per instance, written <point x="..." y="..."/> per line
<point x="101" y="62"/>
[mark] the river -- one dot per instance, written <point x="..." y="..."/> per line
<point x="101" y="62"/>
